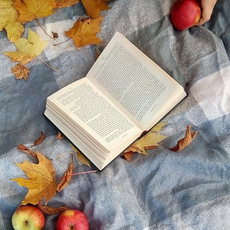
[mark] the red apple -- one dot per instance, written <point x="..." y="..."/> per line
<point x="72" y="220"/>
<point x="28" y="217"/>
<point x="185" y="13"/>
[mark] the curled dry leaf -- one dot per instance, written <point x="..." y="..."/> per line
<point x="51" y="210"/>
<point x="186" y="141"/>
<point x="25" y="149"/>
<point x="40" y="139"/>
<point x="66" y="178"/>
<point x="60" y="136"/>
<point x="20" y="72"/>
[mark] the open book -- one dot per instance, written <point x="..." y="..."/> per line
<point x="123" y="94"/>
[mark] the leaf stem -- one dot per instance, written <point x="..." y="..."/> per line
<point x="44" y="29"/>
<point x="79" y="173"/>
<point x="46" y="64"/>
<point x="57" y="44"/>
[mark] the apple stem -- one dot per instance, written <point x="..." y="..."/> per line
<point x="79" y="173"/>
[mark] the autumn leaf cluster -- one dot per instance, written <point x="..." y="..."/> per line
<point x="15" y="13"/>
<point x="41" y="180"/>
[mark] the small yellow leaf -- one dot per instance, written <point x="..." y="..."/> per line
<point x="27" y="49"/>
<point x="80" y="156"/>
<point x="41" y="182"/>
<point x="148" y="141"/>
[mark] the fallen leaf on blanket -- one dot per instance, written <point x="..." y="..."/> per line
<point x="81" y="157"/>
<point x="41" y="182"/>
<point x="84" y="31"/>
<point x="60" y="136"/>
<point x="40" y="139"/>
<point x="20" y="72"/>
<point x="27" y="49"/>
<point x="9" y="20"/>
<point x="66" y="178"/>
<point x="27" y="150"/>
<point x="93" y="8"/>
<point x="51" y="210"/>
<point x="34" y="9"/>
<point x="186" y="141"/>
<point x="65" y="3"/>
<point x="148" y="141"/>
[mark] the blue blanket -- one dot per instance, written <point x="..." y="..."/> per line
<point x="163" y="190"/>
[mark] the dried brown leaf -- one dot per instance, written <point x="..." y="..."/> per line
<point x="60" y="136"/>
<point x="25" y="149"/>
<point x="20" y="72"/>
<point x="51" y="210"/>
<point x="127" y="155"/>
<point x="66" y="178"/>
<point x="186" y="141"/>
<point x="40" y="139"/>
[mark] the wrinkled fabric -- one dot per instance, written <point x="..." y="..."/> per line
<point x="165" y="190"/>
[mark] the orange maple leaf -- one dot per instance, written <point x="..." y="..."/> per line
<point x="41" y="183"/>
<point x="93" y="8"/>
<point x="84" y="31"/>
<point x="33" y="9"/>
<point x="65" y="3"/>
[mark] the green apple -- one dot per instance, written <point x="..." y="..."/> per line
<point x="28" y="217"/>
<point x="72" y="220"/>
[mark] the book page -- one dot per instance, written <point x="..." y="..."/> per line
<point x="134" y="82"/>
<point x="89" y="109"/>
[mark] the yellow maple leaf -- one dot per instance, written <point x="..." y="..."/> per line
<point x="148" y="141"/>
<point x="27" y="49"/>
<point x="8" y="20"/>
<point x="41" y="183"/>
<point x="65" y="3"/>
<point x="84" y="31"/>
<point x="93" y="8"/>
<point x="34" y="9"/>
